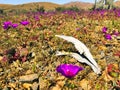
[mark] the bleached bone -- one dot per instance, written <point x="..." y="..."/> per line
<point x="83" y="50"/>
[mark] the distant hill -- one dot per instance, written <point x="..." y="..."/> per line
<point x="5" y="6"/>
<point x="80" y="5"/>
<point x="117" y="3"/>
<point x="49" y="5"/>
<point x="28" y="6"/>
<point x="85" y="5"/>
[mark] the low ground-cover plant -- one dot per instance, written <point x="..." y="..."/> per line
<point x="26" y="34"/>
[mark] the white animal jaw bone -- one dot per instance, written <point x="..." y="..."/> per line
<point x="83" y="50"/>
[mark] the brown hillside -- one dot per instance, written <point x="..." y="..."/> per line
<point x="81" y="5"/>
<point x="117" y="3"/>
<point x="5" y="6"/>
<point x="49" y="5"/>
<point x="28" y="6"/>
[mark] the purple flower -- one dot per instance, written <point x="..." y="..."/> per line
<point x="7" y="24"/>
<point x="36" y="18"/>
<point x="15" y="25"/>
<point x="108" y="36"/>
<point x="118" y="14"/>
<point x="104" y="29"/>
<point x="102" y="12"/>
<point x="115" y="33"/>
<point x="68" y="70"/>
<point x="24" y="22"/>
<point x="77" y="29"/>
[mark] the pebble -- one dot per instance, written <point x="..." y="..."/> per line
<point x="57" y="87"/>
<point x="28" y="72"/>
<point x="1" y="73"/>
<point x="6" y="88"/>
<point x="1" y="58"/>
<point x="28" y="78"/>
<point x="61" y="83"/>
<point x="60" y="78"/>
<point x="35" y="86"/>
<point x="42" y="84"/>
<point x="13" y="85"/>
<point x="118" y="38"/>
<point x="23" y="52"/>
<point x="1" y="69"/>
<point x="73" y="60"/>
<point x="27" y="86"/>
<point x="85" y="84"/>
<point x="92" y="76"/>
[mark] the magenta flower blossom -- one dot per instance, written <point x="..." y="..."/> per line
<point x="118" y="14"/>
<point x="77" y="29"/>
<point x="108" y="36"/>
<point x="115" y="33"/>
<point x="68" y="70"/>
<point x="36" y="18"/>
<point x="7" y="24"/>
<point x="104" y="29"/>
<point x="24" y="22"/>
<point x="15" y="25"/>
<point x="102" y="12"/>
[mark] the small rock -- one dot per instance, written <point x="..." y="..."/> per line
<point x="60" y="78"/>
<point x="98" y="56"/>
<point x="23" y="52"/>
<point x="92" y="76"/>
<point x="57" y="63"/>
<point x="79" y="88"/>
<point x="102" y="54"/>
<point x="106" y="76"/>
<point x="102" y="48"/>
<point x="35" y="86"/>
<point x="6" y="88"/>
<point x="28" y="78"/>
<point x="42" y="84"/>
<point x="27" y="86"/>
<point x="28" y="72"/>
<point x="1" y="58"/>
<point x="78" y="64"/>
<point x="61" y="83"/>
<point x="57" y="87"/>
<point x="118" y="38"/>
<point x="13" y="85"/>
<point x="1" y="69"/>
<point x="16" y="63"/>
<point x="1" y="73"/>
<point x="102" y="63"/>
<point x="32" y="55"/>
<point x="73" y="60"/>
<point x="85" y="84"/>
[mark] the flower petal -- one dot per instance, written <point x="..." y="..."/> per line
<point x="24" y="22"/>
<point x="104" y="29"/>
<point x="68" y="70"/>
<point x="108" y="36"/>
